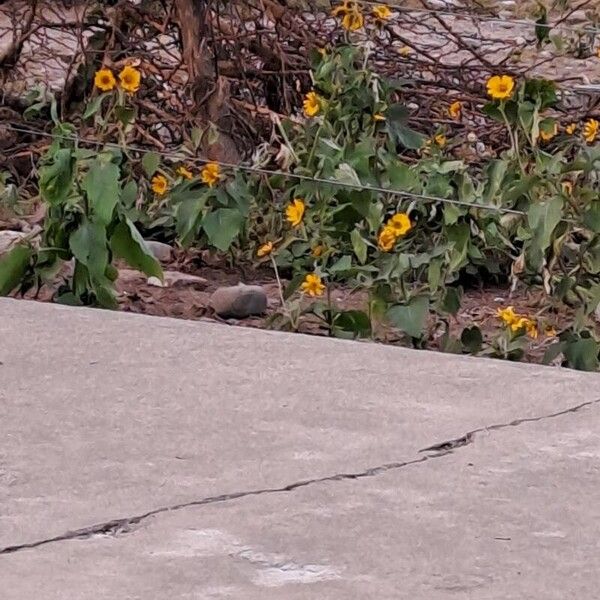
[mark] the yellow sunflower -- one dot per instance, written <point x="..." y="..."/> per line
<point x="130" y="79"/>
<point x="313" y="285"/>
<point x="382" y="12"/>
<point x="185" y="173"/>
<point x="160" y="185"/>
<point x="210" y="174"/>
<point x="104" y="80"/>
<point x="400" y="224"/>
<point x="295" y="212"/>
<point x="311" y="104"/>
<point x="500" y="87"/>
<point x="265" y="250"/>
<point x="590" y="130"/>
<point x="387" y="238"/>
<point x="455" y="109"/>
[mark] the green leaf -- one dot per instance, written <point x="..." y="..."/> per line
<point x="343" y="264"/>
<point x="346" y="174"/>
<point x="459" y="235"/>
<point x="94" y="106"/>
<point x="222" y="226"/>
<point x="127" y="243"/>
<point x="124" y="114"/>
<point x="88" y="245"/>
<point x="129" y="194"/>
<point x="351" y="324"/>
<point x="292" y="286"/>
<point x="472" y="339"/>
<point x="359" y="245"/>
<point x="101" y="184"/>
<point x="494" y="172"/>
<point x="187" y="217"/>
<point x="582" y="354"/>
<point x="543" y="218"/>
<point x="13" y="266"/>
<point x="150" y="162"/>
<point x="451" y="301"/>
<point x="411" y="317"/>
<point x="591" y="218"/>
<point x="56" y="177"/>
<point x="397" y="119"/>
<point x="402" y="177"/>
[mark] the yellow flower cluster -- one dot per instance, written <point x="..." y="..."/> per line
<point x="129" y="79"/>
<point x="210" y="175"/>
<point x="397" y="226"/>
<point x="590" y="130"/>
<point x="352" y="15"/>
<point x="517" y="322"/>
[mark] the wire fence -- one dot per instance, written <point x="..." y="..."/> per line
<point x="184" y="158"/>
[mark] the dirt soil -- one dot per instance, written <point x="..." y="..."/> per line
<point x="189" y="299"/>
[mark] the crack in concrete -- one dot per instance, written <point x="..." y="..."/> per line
<point x="127" y="524"/>
<point x="446" y="447"/>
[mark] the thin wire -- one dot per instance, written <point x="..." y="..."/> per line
<point x="263" y="171"/>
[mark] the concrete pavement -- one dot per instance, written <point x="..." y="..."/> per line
<point x="150" y="458"/>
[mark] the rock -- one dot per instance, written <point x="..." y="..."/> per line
<point x="176" y="279"/>
<point x="9" y="239"/>
<point x="155" y="282"/>
<point x="162" y="252"/>
<point x="239" y="301"/>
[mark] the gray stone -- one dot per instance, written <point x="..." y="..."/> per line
<point x="239" y="301"/>
<point x="162" y="252"/>
<point x="156" y="282"/>
<point x="177" y="279"/>
<point x="157" y="458"/>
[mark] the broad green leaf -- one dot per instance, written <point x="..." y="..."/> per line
<point x="411" y="317"/>
<point x="494" y="172"/>
<point x="459" y="235"/>
<point x="222" y="226"/>
<point x="343" y="264"/>
<point x="13" y="266"/>
<point x="129" y="194"/>
<point x="407" y="137"/>
<point x="359" y="245"/>
<point x="397" y="119"/>
<point x="582" y="354"/>
<point x="351" y="324"/>
<point x="402" y="177"/>
<point x="451" y="301"/>
<point x="188" y="215"/>
<point x="150" y="162"/>
<point x="124" y="114"/>
<point x="101" y="184"/>
<point x="472" y="339"/>
<point x="127" y="243"/>
<point x="94" y="106"/>
<point x="346" y="174"/>
<point x="56" y="177"/>
<point x="293" y="285"/>
<point x="591" y="218"/>
<point x="88" y="244"/>
<point x="543" y="217"/>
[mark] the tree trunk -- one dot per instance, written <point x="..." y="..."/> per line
<point x="191" y="15"/>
